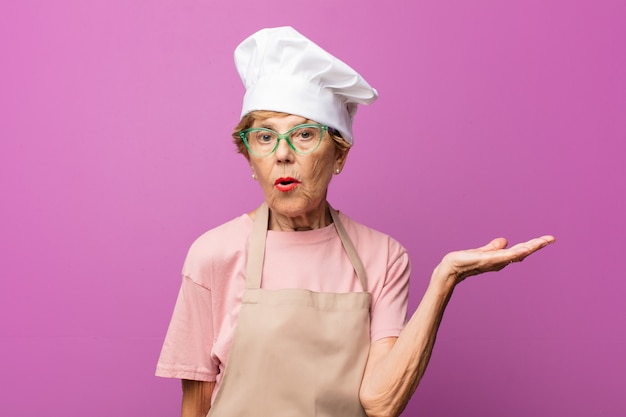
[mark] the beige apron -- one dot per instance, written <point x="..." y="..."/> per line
<point x="296" y="353"/>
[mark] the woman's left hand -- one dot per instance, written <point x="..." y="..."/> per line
<point x="396" y="365"/>
<point x="494" y="256"/>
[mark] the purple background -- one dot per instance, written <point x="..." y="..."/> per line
<point x="495" y="119"/>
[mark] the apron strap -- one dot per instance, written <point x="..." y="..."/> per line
<point x="350" y="249"/>
<point x="256" y="248"/>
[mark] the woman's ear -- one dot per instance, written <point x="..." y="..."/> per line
<point x="340" y="159"/>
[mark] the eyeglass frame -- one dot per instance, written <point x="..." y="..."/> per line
<point x="323" y="129"/>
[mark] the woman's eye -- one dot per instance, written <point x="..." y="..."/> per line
<point x="264" y="137"/>
<point x="304" y="134"/>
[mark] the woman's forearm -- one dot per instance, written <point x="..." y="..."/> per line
<point x="196" y="398"/>
<point x="395" y="367"/>
<point x="391" y="380"/>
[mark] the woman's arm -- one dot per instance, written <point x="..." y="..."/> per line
<point x="396" y="365"/>
<point x="196" y="398"/>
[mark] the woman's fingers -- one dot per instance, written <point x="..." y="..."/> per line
<point x="518" y="252"/>
<point x="493" y="256"/>
<point x="495" y="244"/>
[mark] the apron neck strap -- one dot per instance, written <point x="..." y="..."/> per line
<point x="256" y="248"/>
<point x="350" y="249"/>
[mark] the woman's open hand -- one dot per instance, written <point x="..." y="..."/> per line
<point x="493" y="256"/>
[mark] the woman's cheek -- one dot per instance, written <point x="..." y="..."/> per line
<point x="322" y="171"/>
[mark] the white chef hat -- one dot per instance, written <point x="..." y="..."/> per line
<point x="285" y="72"/>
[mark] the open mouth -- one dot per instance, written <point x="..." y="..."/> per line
<point x="286" y="184"/>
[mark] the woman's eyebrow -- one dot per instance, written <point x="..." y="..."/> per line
<point x="270" y="126"/>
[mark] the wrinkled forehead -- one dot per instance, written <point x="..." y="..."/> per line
<point x="273" y="120"/>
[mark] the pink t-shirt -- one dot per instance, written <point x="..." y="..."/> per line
<point x="201" y="330"/>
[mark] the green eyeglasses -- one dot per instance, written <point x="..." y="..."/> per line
<point x="303" y="139"/>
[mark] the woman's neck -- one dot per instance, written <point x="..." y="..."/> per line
<point x="316" y="219"/>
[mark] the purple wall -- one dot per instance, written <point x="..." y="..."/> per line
<point x="495" y="119"/>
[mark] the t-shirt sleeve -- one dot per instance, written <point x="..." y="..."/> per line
<point x="389" y="308"/>
<point x="186" y="350"/>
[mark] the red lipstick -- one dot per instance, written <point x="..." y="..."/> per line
<point x="286" y="184"/>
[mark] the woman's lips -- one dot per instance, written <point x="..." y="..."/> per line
<point x="285" y="184"/>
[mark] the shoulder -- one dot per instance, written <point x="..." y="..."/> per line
<point x="367" y="239"/>
<point x="218" y="249"/>
<point x="224" y="235"/>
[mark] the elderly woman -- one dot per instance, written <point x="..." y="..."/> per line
<point x="294" y="309"/>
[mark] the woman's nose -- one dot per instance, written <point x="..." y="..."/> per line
<point x="284" y="153"/>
